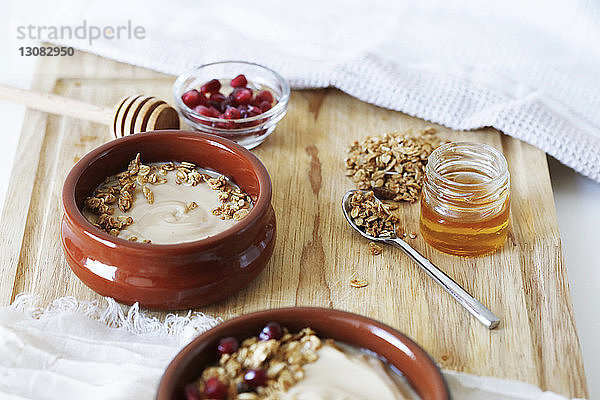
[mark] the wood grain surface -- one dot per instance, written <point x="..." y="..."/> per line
<point x="525" y="283"/>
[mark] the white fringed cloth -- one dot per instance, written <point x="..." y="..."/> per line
<point x="86" y="350"/>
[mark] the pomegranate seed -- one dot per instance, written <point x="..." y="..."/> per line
<point x="271" y="331"/>
<point x="211" y="86"/>
<point x="220" y="107"/>
<point x="243" y="109"/>
<point x="192" y="98"/>
<point x="217" y="97"/>
<point x="239" y="81"/>
<point x="191" y="392"/>
<point x="228" y="345"/>
<point x="215" y="112"/>
<point x="254" y="111"/>
<point x="229" y="102"/>
<point x="215" y="389"/>
<point x="242" y="96"/>
<point x="255" y="377"/>
<point x="265" y="95"/>
<point x="232" y="113"/>
<point x="265" y="106"/>
<point x="207" y="111"/>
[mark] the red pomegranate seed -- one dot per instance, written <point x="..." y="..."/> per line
<point x="220" y="107"/>
<point x="192" y="98"/>
<point x="242" y="96"/>
<point x="265" y="106"/>
<point x="229" y="101"/>
<point x="232" y="113"/>
<point x="215" y="112"/>
<point x="239" y="81"/>
<point x="271" y="331"/>
<point x="215" y="389"/>
<point x="217" y="97"/>
<point x="207" y="111"/>
<point x="265" y="95"/>
<point x="243" y="109"/>
<point x="228" y="345"/>
<point x="255" y="377"/>
<point x="254" y="111"/>
<point x="211" y="86"/>
<point x="191" y="392"/>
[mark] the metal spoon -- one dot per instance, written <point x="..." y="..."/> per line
<point x="478" y="310"/>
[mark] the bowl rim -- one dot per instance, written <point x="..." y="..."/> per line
<point x="278" y="108"/>
<point x="169" y="377"/>
<point x="73" y="212"/>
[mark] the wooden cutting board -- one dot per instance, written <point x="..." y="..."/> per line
<point x="525" y="283"/>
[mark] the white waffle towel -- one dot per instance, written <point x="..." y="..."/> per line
<point x="529" y="68"/>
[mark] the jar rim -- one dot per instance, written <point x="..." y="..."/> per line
<point x="457" y="147"/>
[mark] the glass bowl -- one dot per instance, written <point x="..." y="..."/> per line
<point x="248" y="132"/>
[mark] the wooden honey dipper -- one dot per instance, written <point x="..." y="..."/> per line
<point x="133" y="114"/>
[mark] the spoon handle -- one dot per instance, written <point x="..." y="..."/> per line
<point x="478" y="310"/>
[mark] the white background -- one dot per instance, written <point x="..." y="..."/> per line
<point x="577" y="201"/>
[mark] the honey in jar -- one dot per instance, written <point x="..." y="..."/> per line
<point x="465" y="201"/>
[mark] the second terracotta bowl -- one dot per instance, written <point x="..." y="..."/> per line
<point x="358" y="331"/>
<point x="177" y="276"/>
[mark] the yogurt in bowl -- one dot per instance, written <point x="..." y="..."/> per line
<point x="272" y="354"/>
<point x="166" y="203"/>
<point x="278" y="364"/>
<point x="343" y="372"/>
<point x="191" y="269"/>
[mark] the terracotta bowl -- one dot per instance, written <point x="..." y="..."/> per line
<point x="401" y="352"/>
<point x="174" y="276"/>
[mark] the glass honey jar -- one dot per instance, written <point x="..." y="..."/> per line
<point x="465" y="200"/>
